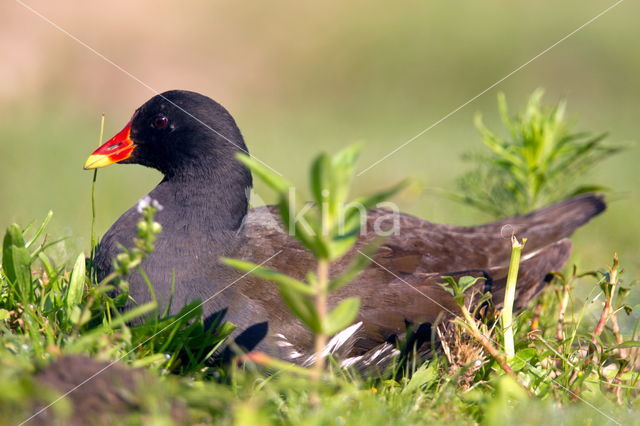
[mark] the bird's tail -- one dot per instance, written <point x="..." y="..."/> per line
<point x="550" y="224"/>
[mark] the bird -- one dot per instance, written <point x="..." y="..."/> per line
<point x="205" y="216"/>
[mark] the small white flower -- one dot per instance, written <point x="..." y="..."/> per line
<point x="143" y="203"/>
<point x="147" y="201"/>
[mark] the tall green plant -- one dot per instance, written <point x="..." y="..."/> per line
<point x="328" y="228"/>
<point x="536" y="163"/>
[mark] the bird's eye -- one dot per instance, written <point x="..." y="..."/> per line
<point x="159" y="122"/>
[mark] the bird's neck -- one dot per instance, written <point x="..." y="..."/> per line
<point x="205" y="202"/>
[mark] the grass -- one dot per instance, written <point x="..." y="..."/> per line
<point x="575" y="370"/>
<point x="567" y="358"/>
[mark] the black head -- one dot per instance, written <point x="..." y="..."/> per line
<point x="179" y="133"/>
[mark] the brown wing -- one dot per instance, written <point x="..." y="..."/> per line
<point x="401" y="282"/>
<point x="422" y="246"/>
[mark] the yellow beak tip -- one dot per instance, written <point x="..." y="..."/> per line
<point x="96" y="161"/>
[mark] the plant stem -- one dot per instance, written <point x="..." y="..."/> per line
<point x="615" y="329"/>
<point x="555" y="351"/>
<point x="321" y="309"/>
<point x="609" y="292"/>
<point x="606" y="310"/>
<point x="564" y="303"/>
<point x="93" y="202"/>
<point x="535" y="321"/>
<point x="509" y="296"/>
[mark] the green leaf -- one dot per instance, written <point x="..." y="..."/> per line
<point x="14" y="261"/>
<point x="17" y="269"/>
<point x="353" y="269"/>
<point x="624" y="345"/>
<point x="342" y="170"/>
<point x="466" y="282"/>
<point x="339" y="245"/>
<point x="13" y="237"/>
<point x="342" y="316"/>
<point x="79" y="316"/>
<point x="277" y="183"/>
<point x="269" y="274"/>
<point x="307" y="235"/>
<point x="481" y="302"/>
<point x="44" y="247"/>
<point x="459" y="287"/>
<point x="135" y="312"/>
<point x="424" y="376"/>
<point x="589" y="188"/>
<point x="371" y="201"/>
<point x="522" y="358"/>
<point x="320" y="177"/>
<point x="346" y="158"/>
<point x="294" y="293"/>
<point x="302" y="308"/>
<point x="355" y="213"/>
<point x="41" y="229"/>
<point x="76" y="283"/>
<point x="449" y="285"/>
<point x="48" y="266"/>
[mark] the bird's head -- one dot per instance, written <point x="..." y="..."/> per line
<point x="176" y="132"/>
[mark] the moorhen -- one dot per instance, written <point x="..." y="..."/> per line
<point x="192" y="140"/>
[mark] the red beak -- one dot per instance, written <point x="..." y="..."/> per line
<point x="116" y="149"/>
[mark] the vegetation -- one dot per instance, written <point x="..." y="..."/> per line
<point x="536" y="164"/>
<point x="567" y="359"/>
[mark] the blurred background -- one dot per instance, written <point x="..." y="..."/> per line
<point x="302" y="77"/>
